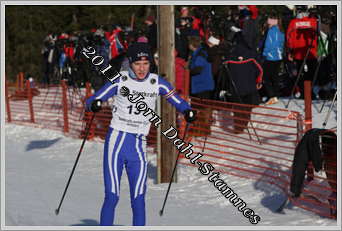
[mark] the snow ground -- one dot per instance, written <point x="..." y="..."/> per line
<point x="39" y="161"/>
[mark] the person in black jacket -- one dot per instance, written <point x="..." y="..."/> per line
<point x="151" y="33"/>
<point x="214" y="54"/>
<point x="239" y="82"/>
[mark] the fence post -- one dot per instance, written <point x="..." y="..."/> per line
<point x="308" y="105"/>
<point x="65" y="106"/>
<point x="300" y="127"/>
<point x="88" y="89"/>
<point x="9" y="118"/>
<point x="88" y="114"/>
<point x="308" y="120"/>
<point x="29" y="97"/>
<point x="21" y="80"/>
<point x="17" y="83"/>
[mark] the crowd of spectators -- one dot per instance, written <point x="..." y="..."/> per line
<point x="266" y="52"/>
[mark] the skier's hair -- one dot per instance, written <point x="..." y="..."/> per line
<point x="277" y="16"/>
<point x="195" y="41"/>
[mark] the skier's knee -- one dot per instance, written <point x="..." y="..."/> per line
<point x="111" y="198"/>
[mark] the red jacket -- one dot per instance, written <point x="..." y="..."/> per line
<point x="197" y="25"/>
<point x="111" y="37"/>
<point x="301" y="33"/>
<point x="69" y="51"/>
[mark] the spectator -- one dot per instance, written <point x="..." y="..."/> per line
<point x="184" y="21"/>
<point x="273" y="54"/>
<point x="180" y="65"/>
<point x="301" y="38"/>
<point x="197" y="24"/>
<point x="240" y="83"/>
<point x="214" y="56"/>
<point x="48" y="57"/>
<point x="151" y="33"/>
<point x="202" y="83"/>
<point x="183" y="30"/>
<point x="249" y="28"/>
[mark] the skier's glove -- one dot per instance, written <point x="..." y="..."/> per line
<point x="94" y="106"/>
<point x="190" y="115"/>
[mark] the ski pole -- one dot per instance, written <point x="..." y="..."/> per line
<point x="300" y="73"/>
<point x="320" y="111"/>
<point x="73" y="169"/>
<point x="173" y="173"/>
<point x="330" y="109"/>
<point x="237" y="93"/>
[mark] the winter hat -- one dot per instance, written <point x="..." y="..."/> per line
<point x="254" y="11"/>
<point x="241" y="50"/>
<point x="214" y="40"/>
<point x="184" y="8"/>
<point x="139" y="51"/>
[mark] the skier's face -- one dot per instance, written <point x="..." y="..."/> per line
<point x="141" y="68"/>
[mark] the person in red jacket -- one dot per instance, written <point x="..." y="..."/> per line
<point x="301" y="38"/>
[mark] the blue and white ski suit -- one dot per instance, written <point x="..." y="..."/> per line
<point x="125" y="143"/>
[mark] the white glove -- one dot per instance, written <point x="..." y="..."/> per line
<point x="235" y="29"/>
<point x="222" y="94"/>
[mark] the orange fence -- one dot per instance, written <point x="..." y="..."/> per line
<point x="254" y="143"/>
<point x="263" y="150"/>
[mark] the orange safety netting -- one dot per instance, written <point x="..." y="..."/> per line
<point x="250" y="142"/>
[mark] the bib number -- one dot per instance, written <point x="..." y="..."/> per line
<point x="130" y="110"/>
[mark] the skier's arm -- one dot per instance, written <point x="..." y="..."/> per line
<point x="166" y="90"/>
<point x="104" y="93"/>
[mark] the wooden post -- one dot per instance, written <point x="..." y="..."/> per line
<point x="9" y="117"/>
<point x="308" y="119"/>
<point x="29" y="97"/>
<point x="65" y="106"/>
<point x="166" y="153"/>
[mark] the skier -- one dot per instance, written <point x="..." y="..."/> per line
<point x="125" y="143"/>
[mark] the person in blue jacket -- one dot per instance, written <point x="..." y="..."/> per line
<point x="273" y="55"/>
<point x="202" y="82"/>
<point x="125" y="143"/>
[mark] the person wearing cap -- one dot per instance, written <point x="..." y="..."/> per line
<point x="125" y="143"/>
